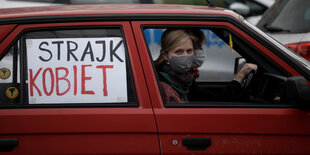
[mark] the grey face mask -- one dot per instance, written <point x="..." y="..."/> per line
<point x="181" y="64"/>
<point x="199" y="58"/>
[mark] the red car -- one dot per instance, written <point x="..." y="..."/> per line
<point x="81" y="79"/>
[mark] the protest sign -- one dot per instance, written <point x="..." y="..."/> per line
<point x="76" y="70"/>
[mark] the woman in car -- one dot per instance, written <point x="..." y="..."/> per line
<point x="175" y="67"/>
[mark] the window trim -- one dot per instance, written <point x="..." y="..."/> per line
<point x="211" y="104"/>
<point x="235" y="30"/>
<point x="19" y="34"/>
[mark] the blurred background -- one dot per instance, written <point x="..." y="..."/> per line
<point x="288" y="21"/>
<point x="252" y="10"/>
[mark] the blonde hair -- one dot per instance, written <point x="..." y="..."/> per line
<point x="171" y="39"/>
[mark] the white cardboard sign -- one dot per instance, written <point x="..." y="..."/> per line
<point x="76" y="70"/>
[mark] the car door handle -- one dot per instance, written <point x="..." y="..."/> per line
<point x="7" y="145"/>
<point x="196" y="143"/>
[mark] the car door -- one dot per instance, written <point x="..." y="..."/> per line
<point x="74" y="88"/>
<point x="224" y="127"/>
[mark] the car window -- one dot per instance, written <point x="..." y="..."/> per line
<point x="212" y="83"/>
<point x="9" y="76"/>
<point x="280" y="17"/>
<point x="9" y="66"/>
<point x="83" y="66"/>
<point x="219" y="64"/>
<point x="301" y="7"/>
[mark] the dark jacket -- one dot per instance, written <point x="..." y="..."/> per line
<point x="229" y="93"/>
<point x="174" y="91"/>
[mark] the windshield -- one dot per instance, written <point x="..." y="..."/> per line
<point x="280" y="17"/>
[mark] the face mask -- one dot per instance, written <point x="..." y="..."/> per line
<point x="181" y="64"/>
<point x="199" y="58"/>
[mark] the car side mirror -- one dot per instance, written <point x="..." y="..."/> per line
<point x="240" y="8"/>
<point x="239" y="63"/>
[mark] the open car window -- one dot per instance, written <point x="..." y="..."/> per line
<point x="216" y="50"/>
<point x="226" y="51"/>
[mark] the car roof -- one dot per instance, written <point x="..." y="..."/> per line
<point x="112" y="9"/>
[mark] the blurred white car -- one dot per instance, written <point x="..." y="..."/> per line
<point x="288" y="21"/>
<point x="251" y="10"/>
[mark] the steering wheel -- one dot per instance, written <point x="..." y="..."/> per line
<point x="248" y="79"/>
<point x="246" y="82"/>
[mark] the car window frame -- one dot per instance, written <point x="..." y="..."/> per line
<point x="234" y="29"/>
<point x="20" y="32"/>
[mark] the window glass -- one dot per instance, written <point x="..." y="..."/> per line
<point x="6" y="67"/>
<point x="283" y="18"/>
<point x="77" y="67"/>
<point x="10" y="77"/>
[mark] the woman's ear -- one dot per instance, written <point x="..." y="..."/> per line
<point x="164" y="55"/>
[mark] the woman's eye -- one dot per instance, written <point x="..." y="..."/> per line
<point x="178" y="52"/>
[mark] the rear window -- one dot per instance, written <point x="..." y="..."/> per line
<point x="281" y="17"/>
<point x="68" y="67"/>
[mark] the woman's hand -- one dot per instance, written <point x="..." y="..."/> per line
<point x="245" y="70"/>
